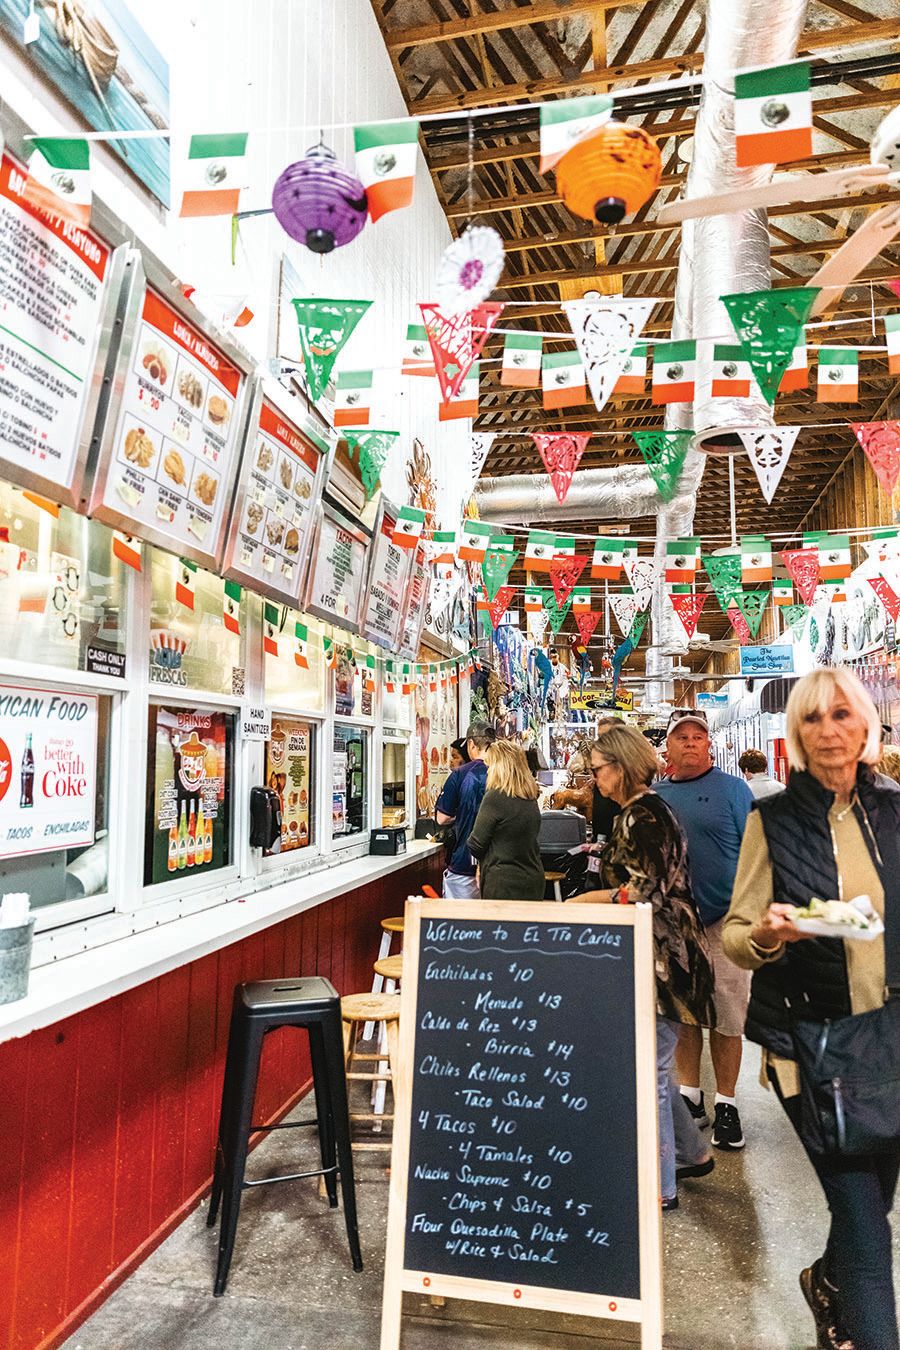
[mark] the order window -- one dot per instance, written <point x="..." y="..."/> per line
<point x="350" y="782"/>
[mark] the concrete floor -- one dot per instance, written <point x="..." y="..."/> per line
<point x="733" y="1251"/>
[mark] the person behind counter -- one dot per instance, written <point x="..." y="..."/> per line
<point x="645" y="860"/>
<point x="832" y="834"/>
<point x="505" y="835"/>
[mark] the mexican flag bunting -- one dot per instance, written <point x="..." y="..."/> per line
<point x="633" y="379"/>
<point x="566" y="121"/>
<point x="887" y="595"/>
<point x="474" y="537"/>
<point x="606" y="564"/>
<point x="417" y="357"/>
<point x="674" y="372"/>
<point x="563" y="546"/>
<point x="581" y="599"/>
<point x="606" y="332"/>
<point x="682" y="561"/>
<point x="231" y="606"/>
<point x="443" y="548"/>
<point x="386" y="164"/>
<point x="752" y="605"/>
<point x="756" y="559"/>
<point x="769" y="325"/>
<point x="127" y="549"/>
<point x="301" y="653"/>
<point x="457" y="341"/>
<point x="586" y="621"/>
<point x="664" y="453"/>
<point x="835" y="562"/>
<point x="368" y="675"/>
<point x="215" y="172"/>
<point x="497" y="607"/>
<point x="782" y="592"/>
<point x="521" y="367"/>
<point x="688" y="607"/>
<point x="564" y="574"/>
<point x="796" y="374"/>
<point x="325" y="326"/>
<point x="533" y="602"/>
<point x="837" y="379"/>
<point x="769" y="451"/>
<point x="409" y="526"/>
<point x="803" y="566"/>
<point x="353" y="398"/>
<point x="498" y="562"/>
<point x="271" y="624"/>
<point x="186" y="582"/>
<point x="892" y="338"/>
<point x="738" y="622"/>
<point x="883" y="546"/>
<point x="372" y="448"/>
<point x="796" y="617"/>
<point x="454" y="673"/>
<point x="390" y="683"/>
<point x="731" y="374"/>
<point x="772" y="115"/>
<point x="881" y="443"/>
<point x="561" y="454"/>
<point x="539" y="549"/>
<point x="329" y="651"/>
<point x="625" y="610"/>
<point x="59" y="178"/>
<point x="464" y="403"/>
<point x="408" y="684"/>
<point x="724" y="573"/>
<point x="563" y="380"/>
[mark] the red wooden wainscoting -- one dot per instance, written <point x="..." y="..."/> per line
<point x="108" y="1119"/>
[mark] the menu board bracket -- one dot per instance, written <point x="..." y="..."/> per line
<point x="527" y="1049"/>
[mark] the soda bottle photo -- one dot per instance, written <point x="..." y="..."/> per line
<point x="199" y="838"/>
<point x="182" y="838"/>
<point x="192" y="838"/>
<point x="26" y="796"/>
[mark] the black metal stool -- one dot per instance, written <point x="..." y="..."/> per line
<point x="311" y="1002"/>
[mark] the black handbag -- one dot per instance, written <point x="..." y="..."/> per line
<point x="850" y="1082"/>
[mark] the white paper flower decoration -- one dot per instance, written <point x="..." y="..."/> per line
<point x="469" y="269"/>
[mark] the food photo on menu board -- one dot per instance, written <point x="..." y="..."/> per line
<point x="189" y="772"/>
<point x="55" y="282"/>
<point x="174" y="447"/>
<point x="288" y="772"/>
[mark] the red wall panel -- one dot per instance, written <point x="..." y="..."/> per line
<point x="108" y="1120"/>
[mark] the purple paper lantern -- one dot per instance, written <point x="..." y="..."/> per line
<point x="318" y="203"/>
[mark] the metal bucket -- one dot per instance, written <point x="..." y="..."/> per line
<point x="15" y="961"/>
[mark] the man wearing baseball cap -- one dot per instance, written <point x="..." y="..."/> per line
<point x="712" y="808"/>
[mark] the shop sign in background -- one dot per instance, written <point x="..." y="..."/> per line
<point x="288" y="774"/>
<point x="48" y="770"/>
<point x="189" y="771"/>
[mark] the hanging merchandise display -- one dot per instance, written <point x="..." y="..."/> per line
<point x="887" y="595"/>
<point x="688" y="607"/>
<point x="497" y="565"/>
<point x="606" y="333"/>
<point x="564" y="576"/>
<point x="457" y="341"/>
<point x="642" y="574"/>
<point x="881" y="443"/>
<point x="386" y="154"/>
<point x="803" y="566"/>
<point x="372" y="448"/>
<point x="469" y="269"/>
<point x="769" y="325"/>
<point x="318" y="203"/>
<point x="586" y="623"/>
<point x="624" y="608"/>
<point x="752" y="605"/>
<point x="796" y="617"/>
<point x="610" y="173"/>
<point x="664" y="453"/>
<point x="561" y="454"/>
<point x="325" y="326"/>
<point x="769" y="452"/>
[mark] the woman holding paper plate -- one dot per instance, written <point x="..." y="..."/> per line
<point x="826" y="1009"/>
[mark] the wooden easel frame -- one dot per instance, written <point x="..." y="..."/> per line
<point x="646" y="1310"/>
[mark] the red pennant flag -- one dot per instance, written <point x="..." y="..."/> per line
<point x="456" y="341"/>
<point x="497" y="607"/>
<point x="881" y="442"/>
<point x="564" y="574"/>
<point x="887" y="595"/>
<point x="739" y="624"/>
<point x="803" y="568"/>
<point x="689" y="608"/>
<point x="561" y="453"/>
<point x="586" y="622"/>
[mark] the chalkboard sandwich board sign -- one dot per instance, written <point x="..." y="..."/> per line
<point x="525" y="1167"/>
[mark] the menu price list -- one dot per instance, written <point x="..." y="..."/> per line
<point x="277" y="501"/>
<point x="523" y="1152"/>
<point x="390" y="570"/>
<point x="340" y="564"/>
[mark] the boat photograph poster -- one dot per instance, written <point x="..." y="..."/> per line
<point x="101" y="60"/>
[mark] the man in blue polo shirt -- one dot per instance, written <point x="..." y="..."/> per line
<point x="458" y="805"/>
<point x="712" y="808"/>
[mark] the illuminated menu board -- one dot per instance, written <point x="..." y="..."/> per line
<point x="389" y="574"/>
<point x="416" y="601"/>
<point x="169" y="454"/>
<point x="58" y="290"/>
<point x="278" y="490"/>
<point x="337" y="576"/>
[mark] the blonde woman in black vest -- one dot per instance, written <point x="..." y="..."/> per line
<point x="504" y="838"/>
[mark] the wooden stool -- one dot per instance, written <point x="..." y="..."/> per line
<point x="390" y="968"/>
<point x="556" y="878"/>
<point x="360" y="1010"/>
<point x="388" y="928"/>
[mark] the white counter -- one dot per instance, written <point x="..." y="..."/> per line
<point x="66" y="987"/>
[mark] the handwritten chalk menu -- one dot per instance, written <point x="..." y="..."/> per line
<point x="526" y="1073"/>
<point x="389" y="574"/>
<point x="173" y="451"/>
<point x="338" y="573"/>
<point x="414" y="612"/>
<point x="269" y="539"/>
<point x="57" y="289"/>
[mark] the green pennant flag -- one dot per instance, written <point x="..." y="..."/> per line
<point x="724" y="573"/>
<point x="325" y="326"/>
<point x="752" y="605"/>
<point x="664" y="453"/>
<point x="372" y="448"/>
<point x="796" y="616"/>
<point x="498" y="561"/>
<point x="769" y="325"/>
<point x="638" y="624"/>
<point x="557" y="613"/>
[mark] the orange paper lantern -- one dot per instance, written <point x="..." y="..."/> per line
<point x="610" y="174"/>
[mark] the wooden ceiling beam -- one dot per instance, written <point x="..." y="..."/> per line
<point x="495" y="21"/>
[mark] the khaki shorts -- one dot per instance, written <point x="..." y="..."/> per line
<point x="732" y="992"/>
